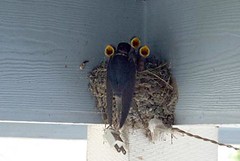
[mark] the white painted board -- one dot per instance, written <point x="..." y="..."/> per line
<point x="182" y="148"/>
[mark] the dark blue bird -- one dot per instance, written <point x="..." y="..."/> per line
<point x="121" y="73"/>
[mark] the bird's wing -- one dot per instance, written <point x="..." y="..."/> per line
<point x="127" y="95"/>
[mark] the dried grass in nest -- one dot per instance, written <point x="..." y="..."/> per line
<point x="155" y="95"/>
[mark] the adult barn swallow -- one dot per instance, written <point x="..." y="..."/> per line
<point x="121" y="73"/>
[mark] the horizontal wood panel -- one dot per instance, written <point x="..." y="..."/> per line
<point x="229" y="135"/>
<point x="42" y="44"/>
<point x="201" y="39"/>
<point x="36" y="130"/>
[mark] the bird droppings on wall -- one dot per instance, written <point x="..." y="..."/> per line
<point x="83" y="64"/>
<point x="155" y="95"/>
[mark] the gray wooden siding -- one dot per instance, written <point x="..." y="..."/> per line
<point x="202" y="41"/>
<point x="42" y="44"/>
<point x="229" y="135"/>
<point x="37" y="130"/>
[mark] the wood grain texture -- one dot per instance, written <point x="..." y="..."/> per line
<point x="202" y="41"/>
<point x="42" y="44"/>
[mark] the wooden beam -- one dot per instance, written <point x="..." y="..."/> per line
<point x="46" y="131"/>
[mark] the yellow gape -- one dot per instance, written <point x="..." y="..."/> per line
<point x="109" y="50"/>
<point x="144" y="51"/>
<point x="135" y="42"/>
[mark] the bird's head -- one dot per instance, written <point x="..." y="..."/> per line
<point x="123" y="48"/>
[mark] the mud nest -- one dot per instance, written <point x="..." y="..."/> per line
<point x="155" y="94"/>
